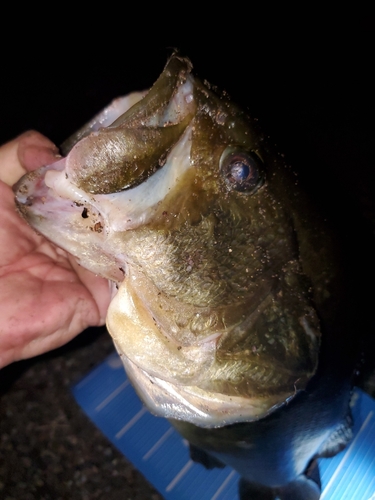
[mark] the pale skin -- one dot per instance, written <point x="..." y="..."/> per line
<point x="46" y="298"/>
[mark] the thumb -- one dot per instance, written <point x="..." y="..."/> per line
<point x="26" y="152"/>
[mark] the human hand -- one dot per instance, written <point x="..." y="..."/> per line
<point x="46" y="298"/>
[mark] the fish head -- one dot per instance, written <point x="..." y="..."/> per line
<point x="218" y="276"/>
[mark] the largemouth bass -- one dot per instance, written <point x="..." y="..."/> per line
<point x="226" y="285"/>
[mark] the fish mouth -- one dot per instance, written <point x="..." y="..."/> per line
<point x="86" y="224"/>
<point x="87" y="204"/>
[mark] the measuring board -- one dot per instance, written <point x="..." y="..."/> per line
<point x="162" y="455"/>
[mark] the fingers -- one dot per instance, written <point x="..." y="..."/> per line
<point x="35" y="150"/>
<point x="26" y="152"/>
<point x="97" y="286"/>
<point x="41" y="308"/>
<point x="32" y="338"/>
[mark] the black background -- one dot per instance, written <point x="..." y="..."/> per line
<point x="304" y="73"/>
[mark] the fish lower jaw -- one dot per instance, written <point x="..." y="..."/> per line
<point x="194" y="405"/>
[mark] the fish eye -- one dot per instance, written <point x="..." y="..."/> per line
<point x="242" y="170"/>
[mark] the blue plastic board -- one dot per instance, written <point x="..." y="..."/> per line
<point x="162" y="456"/>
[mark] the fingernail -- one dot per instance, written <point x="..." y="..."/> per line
<point x="35" y="150"/>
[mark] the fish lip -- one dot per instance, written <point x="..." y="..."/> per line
<point x="205" y="342"/>
<point x="191" y="404"/>
<point x="213" y="337"/>
<point x="34" y="179"/>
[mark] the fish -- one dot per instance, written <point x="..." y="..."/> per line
<point x="228" y="307"/>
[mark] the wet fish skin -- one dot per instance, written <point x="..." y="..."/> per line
<point x="229" y="289"/>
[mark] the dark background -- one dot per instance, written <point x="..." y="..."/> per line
<point x="304" y="75"/>
<point x="307" y="77"/>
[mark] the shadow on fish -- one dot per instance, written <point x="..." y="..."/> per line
<point x="229" y="308"/>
